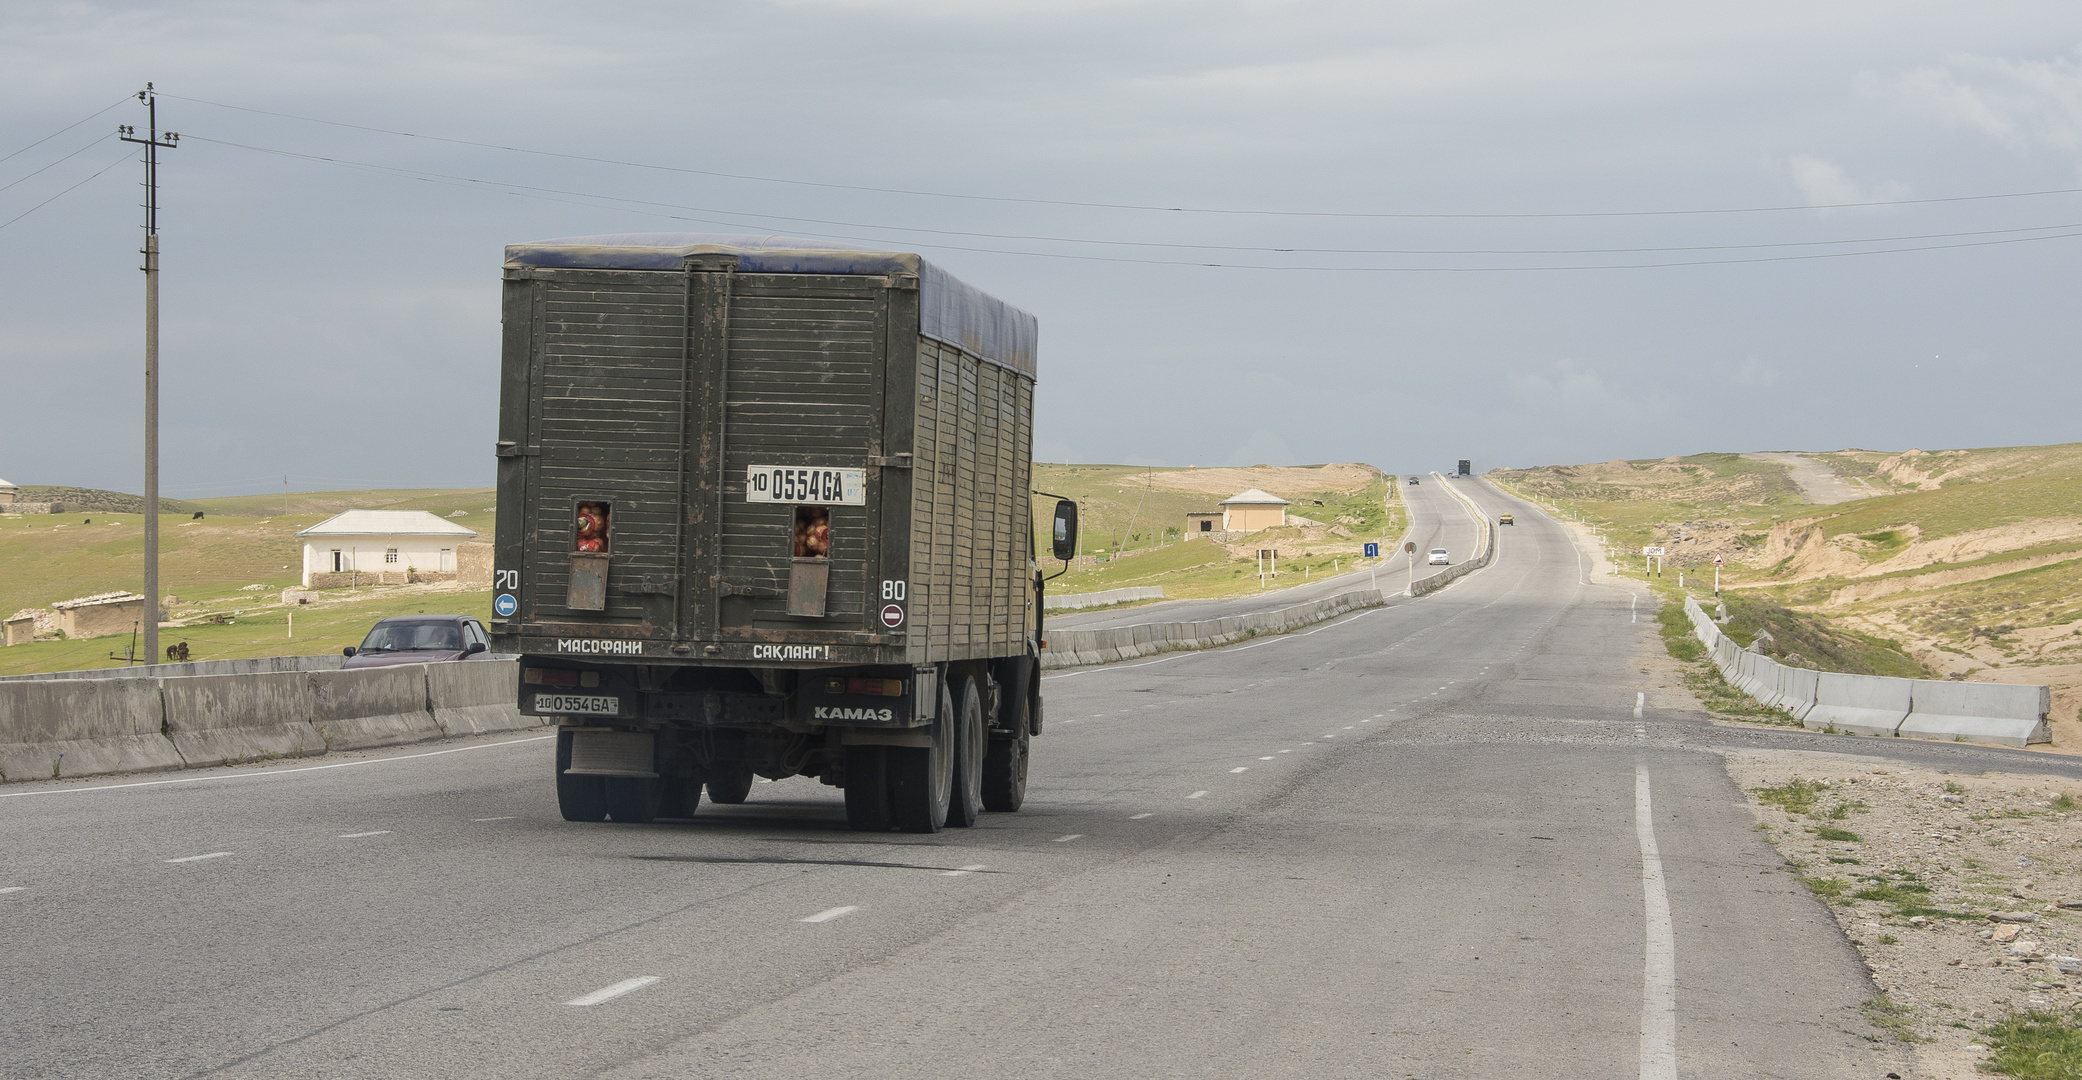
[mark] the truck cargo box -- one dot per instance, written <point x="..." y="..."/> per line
<point x="743" y="451"/>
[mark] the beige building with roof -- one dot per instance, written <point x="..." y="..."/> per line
<point x="1253" y="510"/>
<point x="9" y="493"/>
<point x="100" y="615"/>
<point x="382" y="547"/>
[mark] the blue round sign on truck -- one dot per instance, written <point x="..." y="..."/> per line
<point x="505" y="605"/>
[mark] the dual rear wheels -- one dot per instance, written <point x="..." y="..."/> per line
<point x="922" y="789"/>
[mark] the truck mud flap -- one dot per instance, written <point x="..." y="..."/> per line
<point x="597" y="752"/>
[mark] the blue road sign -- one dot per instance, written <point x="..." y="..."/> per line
<point x="1373" y="551"/>
<point x="505" y="605"/>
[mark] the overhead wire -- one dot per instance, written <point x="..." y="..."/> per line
<point x="68" y="127"/>
<point x="67" y="191"/>
<point x="1227" y="211"/>
<point x="97" y="142"/>
<point x="2053" y="232"/>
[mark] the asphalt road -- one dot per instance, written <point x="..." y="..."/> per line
<point x="1436" y="520"/>
<point x="1428" y="840"/>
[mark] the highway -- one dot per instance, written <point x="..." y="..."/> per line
<point x="1436" y="520"/>
<point x="1427" y="840"/>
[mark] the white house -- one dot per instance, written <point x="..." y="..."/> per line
<point x="380" y="546"/>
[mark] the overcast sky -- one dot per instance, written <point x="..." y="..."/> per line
<point x="1380" y="184"/>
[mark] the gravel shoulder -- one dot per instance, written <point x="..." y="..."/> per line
<point x="1952" y="887"/>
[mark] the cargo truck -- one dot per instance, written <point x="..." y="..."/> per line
<point x="765" y="510"/>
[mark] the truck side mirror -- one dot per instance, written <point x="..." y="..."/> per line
<point x="1065" y="530"/>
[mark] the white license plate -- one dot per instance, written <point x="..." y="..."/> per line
<point x="577" y="704"/>
<point x="803" y="484"/>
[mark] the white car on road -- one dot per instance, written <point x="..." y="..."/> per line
<point x="1439" y="557"/>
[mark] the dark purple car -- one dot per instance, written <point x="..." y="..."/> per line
<point x="419" y="639"/>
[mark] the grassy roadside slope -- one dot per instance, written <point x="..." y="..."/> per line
<point x="1968" y="566"/>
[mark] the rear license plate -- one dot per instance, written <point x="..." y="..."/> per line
<point x="577" y="705"/>
<point x="796" y="484"/>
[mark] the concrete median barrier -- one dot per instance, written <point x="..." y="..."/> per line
<point x="216" y="719"/>
<point x="63" y="728"/>
<point x="1084" y="648"/>
<point x="364" y="707"/>
<point x="1107" y="598"/>
<point x="2003" y="714"/>
<point x="1859" y="704"/>
<point x="476" y="696"/>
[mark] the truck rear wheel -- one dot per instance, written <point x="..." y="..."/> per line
<point x="730" y="787"/>
<point x="1005" y="764"/>
<point x="867" y="789"/>
<point x="921" y="778"/>
<point x="965" y="800"/>
<point x="632" y="799"/>
<point x="579" y="798"/>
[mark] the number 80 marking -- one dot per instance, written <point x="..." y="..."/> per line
<point x="892" y="590"/>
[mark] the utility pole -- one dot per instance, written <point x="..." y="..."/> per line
<point x="152" y="144"/>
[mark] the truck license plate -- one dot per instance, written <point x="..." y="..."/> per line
<point x="577" y="704"/>
<point x="802" y="484"/>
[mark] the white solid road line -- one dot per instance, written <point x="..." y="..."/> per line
<point x="1640" y="699"/>
<point x="502" y="817"/>
<point x="200" y="858"/>
<point x="829" y="914"/>
<point x="274" y="772"/>
<point x="359" y="835"/>
<point x="609" y="993"/>
<point x="1659" y="973"/>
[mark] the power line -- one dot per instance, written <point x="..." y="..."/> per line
<point x="67" y="191"/>
<point x="63" y="130"/>
<point x="1225" y="211"/>
<point x="609" y="201"/>
<point x="97" y="142"/>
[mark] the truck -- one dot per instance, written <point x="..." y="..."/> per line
<point x="764" y="510"/>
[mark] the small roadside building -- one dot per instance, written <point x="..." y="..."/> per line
<point x="381" y="547"/>
<point x="1253" y="510"/>
<point x="1202" y="523"/>
<point x="8" y="493"/>
<point x="100" y="614"/>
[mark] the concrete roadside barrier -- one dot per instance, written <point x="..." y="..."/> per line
<point x="475" y="696"/>
<point x="215" y="719"/>
<point x="66" y="728"/>
<point x="257" y="665"/>
<point x="1796" y="690"/>
<point x="364" y="707"/>
<point x="1106" y="598"/>
<point x="1859" y="704"/>
<point x="1084" y="648"/>
<point x="2004" y="714"/>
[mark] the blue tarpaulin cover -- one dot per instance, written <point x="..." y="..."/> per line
<point x="949" y="309"/>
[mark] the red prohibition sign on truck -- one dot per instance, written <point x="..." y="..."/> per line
<point x="892" y="616"/>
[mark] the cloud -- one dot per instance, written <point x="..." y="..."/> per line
<point x="2019" y="103"/>
<point x="1824" y="183"/>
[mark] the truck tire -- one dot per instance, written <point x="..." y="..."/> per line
<point x="579" y="798"/>
<point x="631" y="799"/>
<point x="921" y="778"/>
<point x="971" y="739"/>
<point x="867" y="789"/>
<point x="681" y="796"/>
<point x="1005" y="764"/>
<point x="730" y="788"/>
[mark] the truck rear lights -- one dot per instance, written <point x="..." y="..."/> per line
<point x="590" y="531"/>
<point x="876" y="687"/>
<point x="536" y="676"/>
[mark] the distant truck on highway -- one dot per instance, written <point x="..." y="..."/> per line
<point x="764" y="510"/>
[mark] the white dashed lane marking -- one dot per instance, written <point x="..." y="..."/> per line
<point x="1196" y="795"/>
<point x="1139" y="817"/>
<point x="1267" y="758"/>
<point x="1067" y="839"/>
<point x="963" y="871"/>
<point x="13" y="888"/>
<point x="502" y="817"/>
<point x="609" y="993"/>
<point x="1241" y="768"/>
<point x="829" y="914"/>
<point x="359" y="835"/>
<point x="200" y="858"/>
